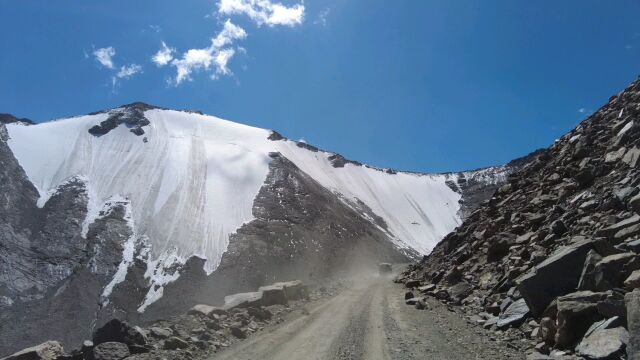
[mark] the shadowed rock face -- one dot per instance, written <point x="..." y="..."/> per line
<point x="301" y="231"/>
<point x="51" y="276"/>
<point x="298" y="219"/>
<point x="40" y="246"/>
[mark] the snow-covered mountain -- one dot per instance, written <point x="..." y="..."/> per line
<point x="150" y="202"/>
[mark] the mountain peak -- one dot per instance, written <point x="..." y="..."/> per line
<point x="11" y="119"/>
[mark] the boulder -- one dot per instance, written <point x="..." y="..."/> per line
<point x="604" y="324"/>
<point x="412" y="283"/>
<point x="442" y="295"/>
<point x="633" y="245"/>
<point x="427" y="288"/>
<point x="633" y="280"/>
<point x="613" y="306"/>
<point x="421" y="304"/>
<point x="273" y="295"/>
<point x="514" y="315"/>
<point x="505" y="304"/>
<point x="632" y="157"/>
<point x="612" y="270"/>
<point x="632" y="301"/>
<point x="585" y="177"/>
<point x="625" y="193"/>
<point x="604" y="344"/>
<point x="119" y="331"/>
<point x="547" y="332"/>
<point x="453" y="276"/>
<point x="205" y="310"/>
<point x="634" y="203"/>
<point x="259" y="313"/>
<point x="243" y="300"/>
<point x="558" y="227"/>
<point x="557" y="275"/>
<point x="610" y="231"/>
<point x="460" y="290"/>
<point x="499" y="245"/>
<point x="576" y="313"/>
<point x="111" y="350"/>
<point x="408" y="295"/>
<point x="160" y="333"/>
<point x="49" y="350"/>
<point x="174" y="343"/>
<point x="237" y="331"/>
<point x="294" y="290"/>
<point x="587" y="278"/>
<point x="626" y="233"/>
<point x="490" y="322"/>
<point x="412" y="301"/>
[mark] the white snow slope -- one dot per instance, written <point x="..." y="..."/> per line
<point x="193" y="182"/>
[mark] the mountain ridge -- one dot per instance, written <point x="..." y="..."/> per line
<point x="171" y="197"/>
<point x="276" y="135"/>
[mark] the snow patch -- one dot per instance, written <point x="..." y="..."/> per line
<point x="160" y="272"/>
<point x="129" y="248"/>
<point x="401" y="199"/>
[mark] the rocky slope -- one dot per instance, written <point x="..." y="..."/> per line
<point x="140" y="212"/>
<point x="196" y="334"/>
<point x="553" y="255"/>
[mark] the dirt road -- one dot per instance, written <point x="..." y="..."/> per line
<point x="369" y="320"/>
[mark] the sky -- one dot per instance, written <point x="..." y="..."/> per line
<point x="420" y="85"/>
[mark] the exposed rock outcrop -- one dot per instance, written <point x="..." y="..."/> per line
<point x="131" y="115"/>
<point x="568" y="220"/>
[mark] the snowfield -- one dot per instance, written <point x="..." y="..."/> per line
<point x="194" y="180"/>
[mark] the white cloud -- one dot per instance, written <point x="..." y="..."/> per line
<point x="192" y="60"/>
<point x="105" y="56"/>
<point x="163" y="56"/>
<point x="124" y="73"/>
<point x="228" y="35"/>
<point x="322" y="17"/>
<point x="216" y="57"/>
<point x="213" y="58"/>
<point x="222" y="59"/>
<point x="264" y="11"/>
<point x="128" y="71"/>
<point x="584" y="111"/>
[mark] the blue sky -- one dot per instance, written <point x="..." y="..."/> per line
<point x="417" y="85"/>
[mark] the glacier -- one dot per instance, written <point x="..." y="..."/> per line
<point x="192" y="179"/>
